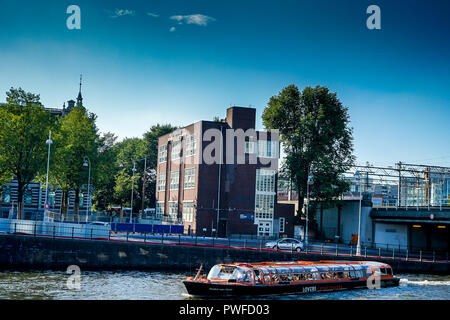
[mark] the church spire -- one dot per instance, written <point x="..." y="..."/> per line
<point x="80" y="98"/>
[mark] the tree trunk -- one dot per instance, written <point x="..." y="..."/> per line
<point x="301" y="203"/>
<point x="64" y="200"/>
<point x="20" y="188"/>
<point x="76" y="205"/>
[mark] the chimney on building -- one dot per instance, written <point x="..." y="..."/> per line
<point x="241" y="117"/>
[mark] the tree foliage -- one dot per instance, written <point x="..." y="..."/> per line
<point x="314" y="130"/>
<point x="75" y="138"/>
<point x="24" y="127"/>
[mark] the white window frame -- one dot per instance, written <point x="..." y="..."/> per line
<point x="161" y="182"/>
<point x="174" y="175"/>
<point x="249" y="146"/>
<point x="188" y="211"/>
<point x="191" y="145"/>
<point x="173" y="210"/>
<point x="160" y="208"/>
<point x="162" y="154"/>
<point x="176" y="150"/>
<point x="189" y="178"/>
<point x="267" y="149"/>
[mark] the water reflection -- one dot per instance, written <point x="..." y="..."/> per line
<point x="168" y="286"/>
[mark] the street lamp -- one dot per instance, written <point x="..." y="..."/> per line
<point x="152" y="173"/>
<point x="310" y="181"/>
<point x="132" y="190"/>
<point x="358" y="245"/>
<point x="87" y="163"/>
<point x="49" y="142"/>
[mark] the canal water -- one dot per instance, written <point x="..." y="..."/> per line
<point x="135" y="285"/>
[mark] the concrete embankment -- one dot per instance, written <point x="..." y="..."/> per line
<point x="28" y="252"/>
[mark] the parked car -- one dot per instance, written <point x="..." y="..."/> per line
<point x="99" y="223"/>
<point x="285" y="244"/>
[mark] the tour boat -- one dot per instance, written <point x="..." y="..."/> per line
<point x="266" y="278"/>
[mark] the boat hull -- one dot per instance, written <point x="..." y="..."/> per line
<point x="199" y="288"/>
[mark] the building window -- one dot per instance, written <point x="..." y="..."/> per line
<point x="173" y="210"/>
<point x="191" y="145"/>
<point x="160" y="208"/>
<point x="265" y="180"/>
<point x="188" y="211"/>
<point x="282" y="224"/>
<point x="162" y="155"/>
<point x="265" y="194"/>
<point x="28" y="196"/>
<point x="174" y="180"/>
<point x="189" y="178"/>
<point x="162" y="181"/>
<point x="267" y="149"/>
<point x="249" y="147"/>
<point x="80" y="199"/>
<point x="176" y="150"/>
<point x="264" y="204"/>
<point x="7" y="195"/>
<point x="52" y="198"/>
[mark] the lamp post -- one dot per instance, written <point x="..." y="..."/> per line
<point x="132" y="190"/>
<point x="49" y="142"/>
<point x="152" y="173"/>
<point x="307" y="205"/>
<point x="358" y="245"/>
<point x="87" y="163"/>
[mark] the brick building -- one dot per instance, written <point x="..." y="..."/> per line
<point x="229" y="197"/>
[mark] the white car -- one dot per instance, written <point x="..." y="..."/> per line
<point x="99" y="223"/>
<point x="285" y="244"/>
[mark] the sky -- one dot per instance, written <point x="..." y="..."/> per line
<point x="178" y="62"/>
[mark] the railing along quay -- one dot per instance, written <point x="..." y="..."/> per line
<point x="102" y="233"/>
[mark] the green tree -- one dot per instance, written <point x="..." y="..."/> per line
<point x="75" y="138"/>
<point x="106" y="170"/>
<point x="129" y="153"/>
<point x="24" y="127"/>
<point x="314" y="130"/>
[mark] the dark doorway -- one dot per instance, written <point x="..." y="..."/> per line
<point x="222" y="233"/>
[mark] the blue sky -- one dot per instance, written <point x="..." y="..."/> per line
<point x="139" y="71"/>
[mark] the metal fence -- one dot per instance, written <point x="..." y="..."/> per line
<point x="97" y="233"/>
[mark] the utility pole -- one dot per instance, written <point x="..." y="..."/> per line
<point x="358" y="246"/>
<point x="49" y="142"/>
<point x="143" y="186"/>
<point x="132" y="190"/>
<point x="218" y="186"/>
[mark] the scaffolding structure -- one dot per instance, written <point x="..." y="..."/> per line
<point x="403" y="185"/>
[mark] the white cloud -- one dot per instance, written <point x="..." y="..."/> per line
<point x="172" y="29"/>
<point x="154" y="15"/>
<point x="198" y="19"/>
<point x="121" y="12"/>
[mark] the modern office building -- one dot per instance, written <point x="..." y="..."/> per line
<point x="235" y="196"/>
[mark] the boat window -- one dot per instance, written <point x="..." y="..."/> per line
<point x="376" y="272"/>
<point x="359" y="274"/>
<point x="274" y="277"/>
<point x="221" y="272"/>
<point x="243" y="275"/>
<point x="389" y="271"/>
<point x="258" y="275"/>
<point x="352" y="274"/>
